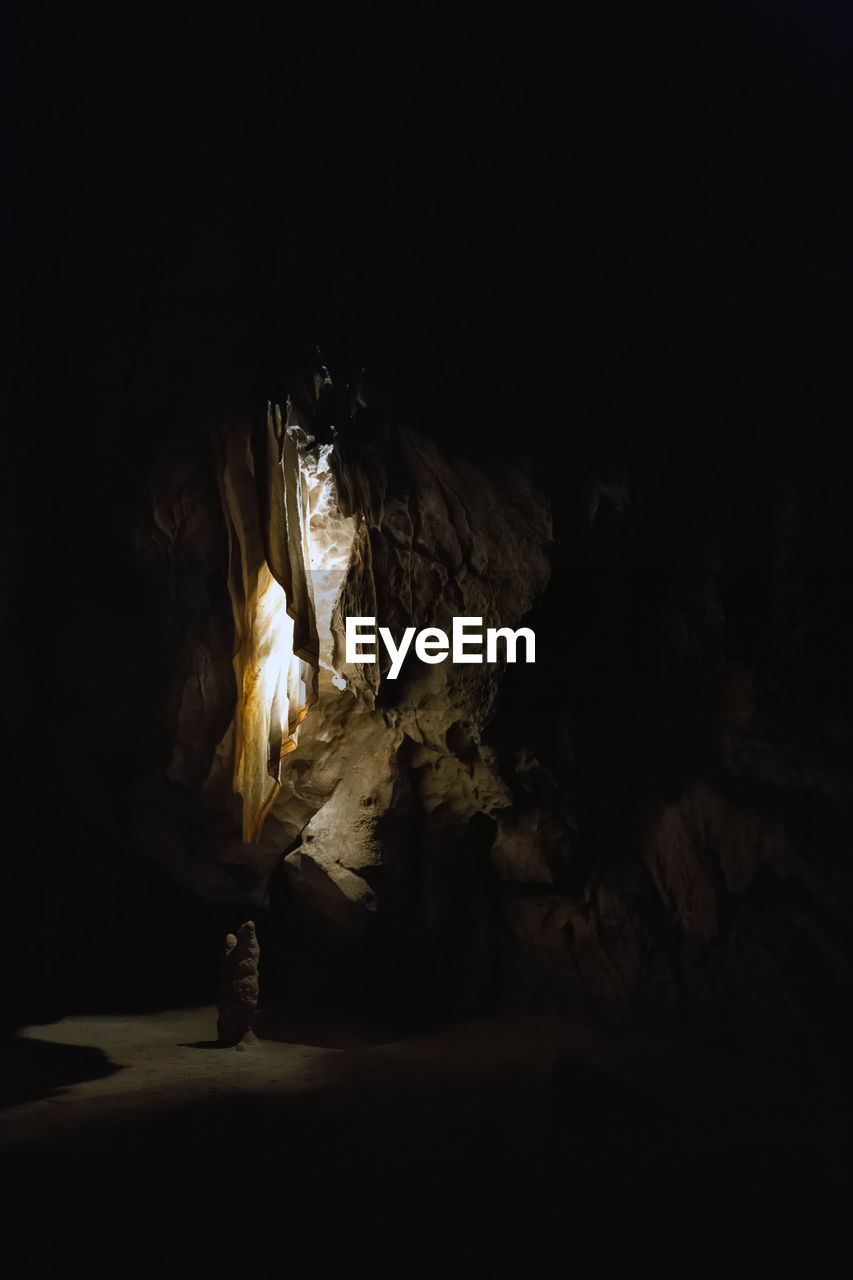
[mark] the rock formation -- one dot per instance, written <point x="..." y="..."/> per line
<point x="238" y="989"/>
<point x="654" y="818"/>
<point x="664" y="870"/>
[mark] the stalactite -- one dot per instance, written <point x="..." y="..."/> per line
<point x="289" y="551"/>
<point x="274" y="683"/>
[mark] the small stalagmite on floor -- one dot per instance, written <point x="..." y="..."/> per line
<point x="238" y="991"/>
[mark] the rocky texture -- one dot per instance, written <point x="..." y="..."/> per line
<point x="276" y="647"/>
<point x="365" y="813"/>
<point x="238" y="990"/>
<point x="671" y="940"/>
<point x="702" y="893"/>
<point x="709" y="753"/>
<point x="438" y="539"/>
<point x="665" y="345"/>
<point x="528" y="832"/>
<point x="433" y="537"/>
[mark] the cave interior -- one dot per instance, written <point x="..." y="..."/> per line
<point x="396" y="313"/>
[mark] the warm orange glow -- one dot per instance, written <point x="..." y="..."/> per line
<point x="273" y="683"/>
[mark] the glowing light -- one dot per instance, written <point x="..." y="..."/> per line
<point x="273" y="684"/>
<point x="329" y="537"/>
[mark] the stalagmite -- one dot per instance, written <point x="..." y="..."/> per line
<point x="238" y="991"/>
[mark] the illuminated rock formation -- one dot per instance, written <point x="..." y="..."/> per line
<point x="275" y="673"/>
<point x="447" y="540"/>
<point x="318" y="749"/>
<point x="394" y="812"/>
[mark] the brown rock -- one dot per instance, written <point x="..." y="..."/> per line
<point x="238" y="991"/>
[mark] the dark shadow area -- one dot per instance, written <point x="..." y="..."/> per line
<point x="617" y="259"/>
<point x="335" y="1031"/>
<point x="421" y="1139"/>
<point x="621" y="255"/>
<point x="31" y="1069"/>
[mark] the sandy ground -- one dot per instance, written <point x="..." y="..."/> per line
<point x="143" y="1063"/>
<point x="145" y="1066"/>
<point x="510" y="1121"/>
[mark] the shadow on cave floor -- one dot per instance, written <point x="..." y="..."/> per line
<point x="331" y="1030"/>
<point x="500" y="1121"/>
<point x="31" y="1069"/>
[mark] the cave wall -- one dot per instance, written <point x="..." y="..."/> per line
<point x="436" y="537"/>
<point x="631" y="275"/>
<point x="638" y="824"/>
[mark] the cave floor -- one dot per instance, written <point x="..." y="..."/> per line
<point x="492" y="1119"/>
